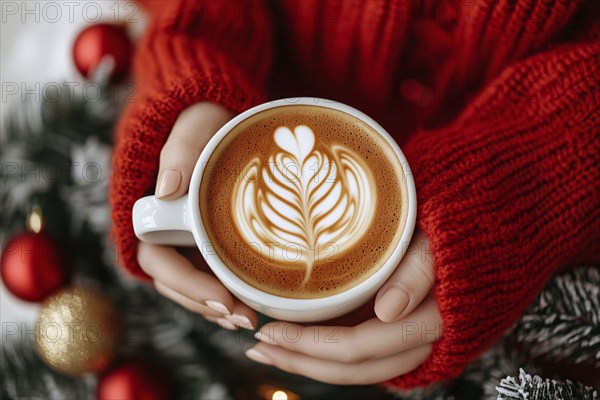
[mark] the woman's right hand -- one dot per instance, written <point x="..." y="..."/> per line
<point x="182" y="275"/>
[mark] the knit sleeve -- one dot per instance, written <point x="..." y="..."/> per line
<point x="192" y="51"/>
<point x="508" y="195"/>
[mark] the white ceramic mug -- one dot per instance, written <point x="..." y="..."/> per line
<point x="179" y="223"/>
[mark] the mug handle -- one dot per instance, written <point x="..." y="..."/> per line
<point x="163" y="222"/>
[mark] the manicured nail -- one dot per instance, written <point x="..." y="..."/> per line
<point x="241" y="320"/>
<point x="391" y="304"/>
<point x="168" y="182"/>
<point x="217" y="306"/>
<point x="224" y="323"/>
<point x="265" y="338"/>
<point x="258" y="356"/>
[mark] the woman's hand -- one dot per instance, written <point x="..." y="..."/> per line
<point x="184" y="276"/>
<point x="395" y="343"/>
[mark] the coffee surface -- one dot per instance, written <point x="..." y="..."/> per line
<point x="303" y="201"/>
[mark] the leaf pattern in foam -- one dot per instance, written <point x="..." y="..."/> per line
<point x="302" y="200"/>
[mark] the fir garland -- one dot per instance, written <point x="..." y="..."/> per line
<point x="564" y="323"/>
<point x="528" y="387"/>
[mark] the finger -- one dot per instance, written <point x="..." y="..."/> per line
<point x="409" y="284"/>
<point x="173" y="270"/>
<point x="369" y="340"/>
<point x="223" y="323"/>
<point x="208" y="313"/>
<point x="243" y="316"/>
<point x="192" y="130"/>
<point x="339" y="373"/>
<point x="185" y="302"/>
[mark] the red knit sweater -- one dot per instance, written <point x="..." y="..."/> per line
<point x="495" y="104"/>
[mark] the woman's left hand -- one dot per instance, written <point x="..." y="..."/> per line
<point x="378" y="349"/>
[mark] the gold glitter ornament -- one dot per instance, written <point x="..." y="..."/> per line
<point x="77" y="331"/>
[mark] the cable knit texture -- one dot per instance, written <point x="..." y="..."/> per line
<point x="495" y="104"/>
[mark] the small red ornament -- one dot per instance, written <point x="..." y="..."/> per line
<point x="100" y="44"/>
<point x="33" y="265"/>
<point x="138" y="379"/>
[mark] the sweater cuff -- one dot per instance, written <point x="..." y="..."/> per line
<point x="147" y="122"/>
<point x="507" y="195"/>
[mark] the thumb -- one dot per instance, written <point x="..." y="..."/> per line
<point x="190" y="134"/>
<point x="409" y="284"/>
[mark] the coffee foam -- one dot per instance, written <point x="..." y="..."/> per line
<point x="290" y="226"/>
<point x="303" y="200"/>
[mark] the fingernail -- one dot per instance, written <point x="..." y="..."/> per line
<point x="168" y="182"/>
<point x="224" y="323"/>
<point x="265" y="338"/>
<point x="391" y="304"/>
<point x="241" y="320"/>
<point x="258" y="356"/>
<point x="217" y="306"/>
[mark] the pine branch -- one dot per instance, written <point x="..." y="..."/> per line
<point x="51" y="153"/>
<point x="527" y="387"/>
<point x="564" y="323"/>
<point x="23" y="375"/>
<point x="496" y="363"/>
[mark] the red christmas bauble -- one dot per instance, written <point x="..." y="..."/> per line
<point x="103" y="42"/>
<point x="138" y="379"/>
<point x="33" y="266"/>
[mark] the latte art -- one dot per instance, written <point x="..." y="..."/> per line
<point x="304" y="203"/>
